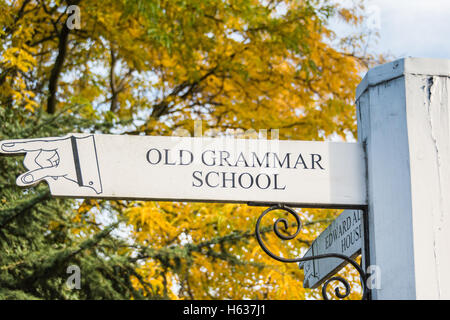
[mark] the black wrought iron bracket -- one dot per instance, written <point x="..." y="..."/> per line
<point x="286" y="236"/>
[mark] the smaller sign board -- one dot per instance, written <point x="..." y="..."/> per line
<point x="344" y="236"/>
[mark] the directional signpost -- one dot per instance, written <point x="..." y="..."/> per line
<point x="343" y="236"/>
<point x="297" y="173"/>
<point x="400" y="178"/>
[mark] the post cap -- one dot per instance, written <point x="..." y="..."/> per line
<point x="400" y="67"/>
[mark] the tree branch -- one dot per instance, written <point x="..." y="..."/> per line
<point x="59" y="63"/>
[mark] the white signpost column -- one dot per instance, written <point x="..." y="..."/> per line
<point x="403" y="120"/>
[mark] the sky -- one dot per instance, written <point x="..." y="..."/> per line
<point x="411" y="28"/>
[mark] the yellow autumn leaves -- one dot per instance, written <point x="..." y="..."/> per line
<point x="201" y="251"/>
<point x="19" y="59"/>
<point x="235" y="65"/>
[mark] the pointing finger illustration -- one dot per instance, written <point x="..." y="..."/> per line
<point x="47" y="159"/>
<point x="30" y="162"/>
<point x="72" y="158"/>
<point x="21" y="146"/>
<point x="34" y="176"/>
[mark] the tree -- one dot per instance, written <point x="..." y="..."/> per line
<point x="44" y="240"/>
<point x="151" y="67"/>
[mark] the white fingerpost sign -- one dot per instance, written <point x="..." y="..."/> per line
<point x="299" y="173"/>
<point x="343" y="236"/>
<point x="402" y="175"/>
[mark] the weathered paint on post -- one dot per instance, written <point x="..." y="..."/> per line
<point x="403" y="121"/>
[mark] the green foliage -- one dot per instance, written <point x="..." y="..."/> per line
<point x="37" y="238"/>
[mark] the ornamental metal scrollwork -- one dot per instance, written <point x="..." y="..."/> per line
<point x="276" y="229"/>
